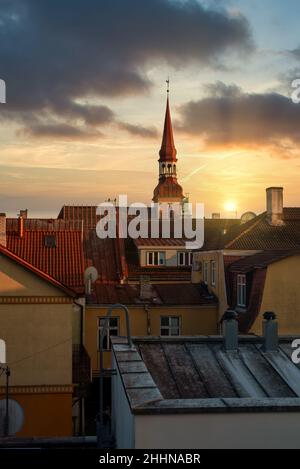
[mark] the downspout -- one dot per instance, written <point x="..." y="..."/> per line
<point x="81" y="399"/>
<point x="147" y="311"/>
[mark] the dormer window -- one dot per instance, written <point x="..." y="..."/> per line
<point x="50" y="241"/>
<point x="184" y="258"/>
<point x="156" y="258"/>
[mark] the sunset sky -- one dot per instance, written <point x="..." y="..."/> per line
<point x="86" y="97"/>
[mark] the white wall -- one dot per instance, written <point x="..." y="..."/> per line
<point x="122" y="419"/>
<point x="214" y="430"/>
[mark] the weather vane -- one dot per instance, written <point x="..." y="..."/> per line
<point x="168" y="84"/>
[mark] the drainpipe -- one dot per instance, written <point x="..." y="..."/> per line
<point x="147" y="311"/>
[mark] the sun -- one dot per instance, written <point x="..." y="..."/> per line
<point x="230" y="206"/>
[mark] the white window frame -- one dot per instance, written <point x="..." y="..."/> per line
<point x="213" y="270"/>
<point x="170" y="327"/>
<point x="109" y="329"/>
<point x="187" y="258"/>
<point x="241" y="290"/>
<point x="205" y="271"/>
<point x="156" y="258"/>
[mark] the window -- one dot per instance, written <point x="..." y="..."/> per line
<point x="170" y="325"/>
<point x="241" y="290"/>
<point x="50" y="241"/>
<point x="156" y="258"/>
<point x="184" y="258"/>
<point x="112" y="329"/>
<point x="205" y="271"/>
<point x="213" y="273"/>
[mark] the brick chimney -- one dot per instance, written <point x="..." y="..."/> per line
<point x="275" y="206"/>
<point x="3" y="229"/>
<point x="146" y="292"/>
<point x="24" y="213"/>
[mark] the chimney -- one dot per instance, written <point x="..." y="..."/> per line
<point x="270" y="332"/>
<point x="145" y="288"/>
<point x="3" y="229"/>
<point x="20" y="226"/>
<point x="230" y="331"/>
<point x="275" y="205"/>
<point x="24" y="213"/>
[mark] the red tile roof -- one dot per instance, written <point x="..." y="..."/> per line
<point x="64" y="262"/>
<point x="6" y="252"/>
<point x="162" y="294"/>
<point x="157" y="242"/>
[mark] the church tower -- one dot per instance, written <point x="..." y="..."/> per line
<point x="167" y="190"/>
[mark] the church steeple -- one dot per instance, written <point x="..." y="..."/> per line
<point x="168" y="190"/>
<point x="168" y="151"/>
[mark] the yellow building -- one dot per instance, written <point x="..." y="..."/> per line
<point x="169" y="310"/>
<point x="36" y="315"/>
<point x="254" y="267"/>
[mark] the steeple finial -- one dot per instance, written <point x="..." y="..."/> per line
<point x="168" y="85"/>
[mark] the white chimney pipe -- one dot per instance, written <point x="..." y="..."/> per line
<point x="275" y="206"/>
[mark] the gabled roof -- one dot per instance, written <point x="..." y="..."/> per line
<point x="258" y="234"/>
<point x="64" y="262"/>
<point x="7" y="253"/>
<point x="261" y="260"/>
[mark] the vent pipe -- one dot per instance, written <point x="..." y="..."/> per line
<point x="270" y="332"/>
<point x="230" y="330"/>
<point x="275" y="206"/>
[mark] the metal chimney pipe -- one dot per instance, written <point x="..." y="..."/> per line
<point x="270" y="332"/>
<point x="230" y="330"/>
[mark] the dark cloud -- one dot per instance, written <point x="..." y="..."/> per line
<point x="295" y="53"/>
<point x="55" y="54"/>
<point x="239" y="118"/>
<point x="139" y="130"/>
<point x="60" y="131"/>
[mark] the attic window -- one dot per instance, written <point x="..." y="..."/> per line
<point x="50" y="241"/>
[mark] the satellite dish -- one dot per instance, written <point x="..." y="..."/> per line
<point x="247" y="216"/>
<point x="15" y="416"/>
<point x="2" y="351"/>
<point x="90" y="274"/>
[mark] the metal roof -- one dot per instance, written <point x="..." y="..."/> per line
<point x="196" y="374"/>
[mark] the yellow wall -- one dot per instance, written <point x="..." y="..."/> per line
<point x="219" y="289"/>
<point x="36" y="324"/>
<point x="194" y="321"/>
<point x="282" y="295"/>
<point x="15" y="280"/>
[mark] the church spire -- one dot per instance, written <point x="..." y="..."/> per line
<point x="168" y="151"/>
<point x="168" y="190"/>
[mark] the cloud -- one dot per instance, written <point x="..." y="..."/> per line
<point x="230" y="117"/>
<point x="139" y="130"/>
<point x="55" y="55"/>
<point x="60" y="131"/>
